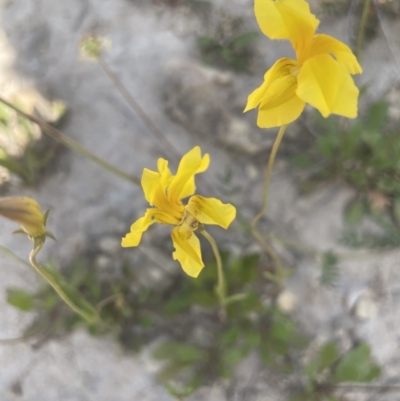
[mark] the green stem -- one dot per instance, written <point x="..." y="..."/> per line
<point x="280" y="273"/>
<point x="271" y="160"/>
<point x="71" y="144"/>
<point x="221" y="286"/>
<point x="363" y="25"/>
<point x="91" y="316"/>
<point x="13" y="255"/>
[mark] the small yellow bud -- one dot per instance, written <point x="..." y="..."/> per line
<point x="25" y="211"/>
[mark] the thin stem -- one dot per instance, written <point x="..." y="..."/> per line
<point x="157" y="133"/>
<point x="13" y="255"/>
<point x="363" y="25"/>
<point x="221" y="286"/>
<point x="106" y="301"/>
<point x="71" y="144"/>
<point x="91" y="316"/>
<point x="368" y="386"/>
<point x="26" y="336"/>
<point x="280" y="271"/>
<point x="137" y="109"/>
<point x="280" y="274"/>
<point x="271" y="160"/>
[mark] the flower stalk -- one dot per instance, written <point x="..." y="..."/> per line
<point x="71" y="144"/>
<point x="268" y="172"/>
<point x="220" y="289"/>
<point x="280" y="273"/>
<point x="90" y="314"/>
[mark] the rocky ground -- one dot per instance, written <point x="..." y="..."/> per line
<point x="153" y="52"/>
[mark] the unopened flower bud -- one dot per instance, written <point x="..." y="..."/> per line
<point x="25" y="211"/>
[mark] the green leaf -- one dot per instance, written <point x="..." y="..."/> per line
<point x="328" y="146"/>
<point x="355" y="212"/>
<point x="253" y="338"/>
<point x="377" y="116"/>
<point x="179" y="303"/>
<point x="243" y="270"/>
<point x="301" y="161"/>
<point x="282" y="330"/>
<point x="356" y="366"/>
<point x="245" y="39"/>
<point x="328" y="354"/>
<point x="205" y="298"/>
<point x="206" y="43"/>
<point x="371" y="138"/>
<point x="179" y="352"/>
<point x="330" y="270"/>
<point x="172" y="370"/>
<point x="69" y="294"/>
<point x="311" y="369"/>
<point x="230" y="336"/>
<point x="20" y="299"/>
<point x="232" y="356"/>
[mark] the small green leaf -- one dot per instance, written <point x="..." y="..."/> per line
<point x="328" y="146"/>
<point x="230" y="336"/>
<point x="355" y="212"/>
<point x="206" y="43"/>
<point x="301" y="161"/>
<point x="20" y="299"/>
<point x="371" y="138"/>
<point x="356" y="366"/>
<point x="330" y="270"/>
<point x="179" y="352"/>
<point x="245" y="39"/>
<point x="328" y="354"/>
<point x="377" y="116"/>
<point x="172" y="370"/>
<point x="232" y="356"/>
<point x="311" y="369"/>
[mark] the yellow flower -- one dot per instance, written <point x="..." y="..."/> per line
<point x="26" y="212"/>
<point x="165" y="192"/>
<point x="320" y="76"/>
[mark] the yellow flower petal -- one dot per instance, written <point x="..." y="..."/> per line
<point x="137" y="228"/>
<point x="325" y="44"/>
<point x="25" y="211"/>
<point x="182" y="184"/>
<point x="277" y="97"/>
<point x="287" y="19"/>
<point x="326" y="85"/>
<point x="211" y="211"/>
<point x="282" y="114"/>
<point x="187" y="251"/>
<point x="151" y="216"/>
<point x="155" y="188"/>
<point x="165" y="172"/>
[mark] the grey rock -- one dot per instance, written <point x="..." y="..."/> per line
<point x="203" y="100"/>
<point x="110" y="245"/>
